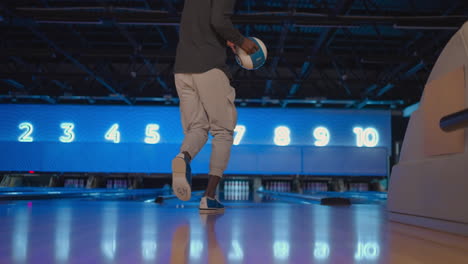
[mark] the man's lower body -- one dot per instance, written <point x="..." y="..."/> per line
<point x="206" y="106"/>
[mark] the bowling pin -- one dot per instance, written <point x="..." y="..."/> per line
<point x="226" y="190"/>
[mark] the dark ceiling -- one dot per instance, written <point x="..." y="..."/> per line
<point x="341" y="54"/>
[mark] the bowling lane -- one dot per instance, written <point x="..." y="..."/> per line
<point x="268" y="230"/>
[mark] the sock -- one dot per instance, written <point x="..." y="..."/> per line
<point x="187" y="155"/>
<point x="211" y="188"/>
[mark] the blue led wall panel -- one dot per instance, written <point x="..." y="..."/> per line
<point x="74" y="138"/>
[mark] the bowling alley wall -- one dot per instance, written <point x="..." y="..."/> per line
<point x="142" y="139"/>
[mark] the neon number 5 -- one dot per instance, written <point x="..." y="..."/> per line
<point x="152" y="134"/>
<point x="69" y="135"/>
<point x="322" y="136"/>
<point x="26" y="136"/>
<point x="368" y="137"/>
<point x="240" y="131"/>
<point x="282" y="136"/>
<point x="113" y="134"/>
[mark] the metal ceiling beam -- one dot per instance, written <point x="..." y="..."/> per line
<point x="14" y="83"/>
<point x="413" y="67"/>
<point x="137" y="49"/>
<point x="245" y="102"/>
<point x="280" y="46"/>
<point x="326" y="34"/>
<point x="77" y="63"/>
<point x="137" y="16"/>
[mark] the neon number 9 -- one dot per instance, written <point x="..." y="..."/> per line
<point x="69" y="135"/>
<point x="26" y="136"/>
<point x="113" y="134"/>
<point x="240" y="131"/>
<point x="322" y="136"/>
<point x="152" y="134"/>
<point x="368" y="137"/>
<point x="282" y="136"/>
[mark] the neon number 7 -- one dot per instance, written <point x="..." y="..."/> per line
<point x="239" y="134"/>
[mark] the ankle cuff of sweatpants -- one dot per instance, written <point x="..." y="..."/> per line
<point x="216" y="172"/>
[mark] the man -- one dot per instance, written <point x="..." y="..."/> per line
<point x="206" y="96"/>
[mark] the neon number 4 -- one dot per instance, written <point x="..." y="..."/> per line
<point x="240" y="131"/>
<point x="368" y="137"/>
<point x="113" y="134"/>
<point x="282" y="136"/>
<point x="322" y="136"/>
<point x="26" y="136"/>
<point x="69" y="135"/>
<point x="152" y="134"/>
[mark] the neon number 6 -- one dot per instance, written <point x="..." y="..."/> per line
<point x="240" y="131"/>
<point x="26" y="136"/>
<point x="69" y="135"/>
<point x="152" y="134"/>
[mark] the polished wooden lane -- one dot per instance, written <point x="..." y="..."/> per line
<point x="74" y="231"/>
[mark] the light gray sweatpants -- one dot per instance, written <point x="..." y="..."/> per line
<point x="207" y="105"/>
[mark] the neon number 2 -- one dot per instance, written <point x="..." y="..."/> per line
<point x="152" y="134"/>
<point x="240" y="131"/>
<point x="26" y="136"/>
<point x="113" y="134"/>
<point x="69" y="135"/>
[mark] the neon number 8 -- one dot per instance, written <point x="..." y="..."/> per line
<point x="152" y="134"/>
<point x="26" y="136"/>
<point x="282" y="136"/>
<point x="240" y="131"/>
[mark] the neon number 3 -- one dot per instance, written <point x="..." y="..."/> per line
<point x="240" y="131"/>
<point x="322" y="136"/>
<point x="282" y="136"/>
<point x="26" y="136"/>
<point x="368" y="137"/>
<point x="113" y="134"/>
<point x="152" y="134"/>
<point x="69" y="135"/>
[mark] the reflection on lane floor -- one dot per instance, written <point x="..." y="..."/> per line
<point x="80" y="231"/>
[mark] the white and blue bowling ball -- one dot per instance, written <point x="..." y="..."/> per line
<point x="252" y="61"/>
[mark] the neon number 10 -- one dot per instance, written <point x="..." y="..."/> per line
<point x="368" y="137"/>
<point x="152" y="134"/>
<point x="322" y="136"/>
<point x="113" y="134"/>
<point x="239" y="134"/>
<point x="26" y="136"/>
